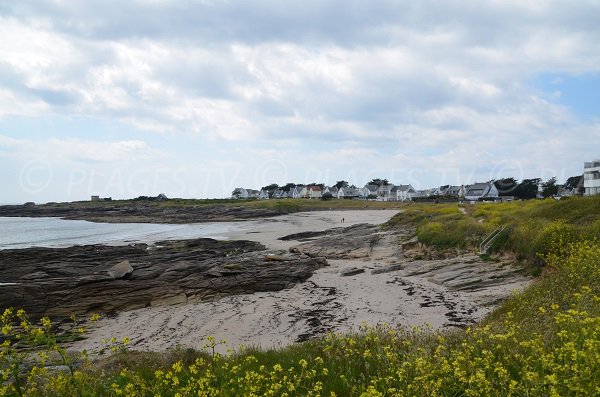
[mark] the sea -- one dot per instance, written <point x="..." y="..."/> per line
<point x="21" y="232"/>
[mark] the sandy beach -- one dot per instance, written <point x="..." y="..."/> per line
<point x="370" y="286"/>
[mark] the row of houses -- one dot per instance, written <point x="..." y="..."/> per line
<point x="389" y="192"/>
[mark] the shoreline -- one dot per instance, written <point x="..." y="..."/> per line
<point x="363" y="282"/>
<point x="184" y="211"/>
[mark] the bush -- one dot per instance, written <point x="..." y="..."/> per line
<point x="327" y="196"/>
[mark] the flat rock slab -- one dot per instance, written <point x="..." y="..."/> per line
<point x="351" y="271"/>
<point x="62" y="281"/>
<point x="137" y="212"/>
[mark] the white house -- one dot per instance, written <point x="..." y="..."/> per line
<point x="263" y="195"/>
<point x="279" y="194"/>
<point x="440" y="191"/>
<point x="591" y="177"/>
<point x="425" y="192"/>
<point x="239" y="193"/>
<point x="403" y="192"/>
<point x="348" y="192"/>
<point x="297" y="192"/>
<point x="384" y="192"/>
<point x="479" y="191"/>
<point x="456" y="191"/>
<point x="370" y="190"/>
<point x="313" y="191"/>
<point x="363" y="192"/>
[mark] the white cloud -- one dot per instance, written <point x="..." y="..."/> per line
<point x="79" y="151"/>
<point x="413" y="84"/>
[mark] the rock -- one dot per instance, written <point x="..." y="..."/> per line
<point x="120" y="270"/>
<point x="61" y="281"/>
<point x="354" y="242"/>
<point x="136" y="212"/>
<point x="306" y="235"/>
<point x="351" y="271"/>
<point x="388" y="269"/>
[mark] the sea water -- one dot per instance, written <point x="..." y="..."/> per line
<point x="21" y="232"/>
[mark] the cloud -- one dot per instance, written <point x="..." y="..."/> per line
<point x="418" y="85"/>
<point x="79" y="151"/>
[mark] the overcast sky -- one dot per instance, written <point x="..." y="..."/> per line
<point x="195" y="98"/>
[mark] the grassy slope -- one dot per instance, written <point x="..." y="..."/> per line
<point x="543" y="342"/>
<point x="533" y="227"/>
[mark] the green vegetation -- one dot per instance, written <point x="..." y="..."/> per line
<point x="280" y="205"/>
<point x="544" y="341"/>
<point x="296" y="205"/>
<point x="533" y="227"/>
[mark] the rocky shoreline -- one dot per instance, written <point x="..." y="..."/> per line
<point x="290" y="278"/>
<point x="373" y="276"/>
<point x="59" y="282"/>
<point x="137" y="212"/>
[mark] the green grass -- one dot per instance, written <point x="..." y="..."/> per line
<point x="533" y="227"/>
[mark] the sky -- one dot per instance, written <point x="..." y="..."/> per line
<point x="195" y="98"/>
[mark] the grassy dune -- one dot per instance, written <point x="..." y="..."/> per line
<point x="544" y="341"/>
<point x="533" y="227"/>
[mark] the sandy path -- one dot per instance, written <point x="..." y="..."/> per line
<point x="328" y="301"/>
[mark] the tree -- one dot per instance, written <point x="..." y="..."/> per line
<point x="288" y="187"/>
<point x="270" y="188"/>
<point x="527" y="189"/>
<point x="341" y="184"/>
<point x="327" y="196"/>
<point x="379" y="182"/>
<point x="506" y="186"/>
<point x="549" y="188"/>
<point x="573" y="183"/>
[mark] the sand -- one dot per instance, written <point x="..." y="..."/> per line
<point x="327" y="302"/>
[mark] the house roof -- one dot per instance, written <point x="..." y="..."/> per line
<point x="481" y="185"/>
<point x="314" y="188"/>
<point x="372" y="188"/>
<point x="404" y="188"/>
<point x="349" y="191"/>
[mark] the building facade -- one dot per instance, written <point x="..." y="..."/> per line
<point x="591" y="177"/>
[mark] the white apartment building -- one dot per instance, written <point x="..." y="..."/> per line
<point x="591" y="177"/>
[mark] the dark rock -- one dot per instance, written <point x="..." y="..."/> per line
<point x="62" y="281"/>
<point x="306" y="235"/>
<point x="340" y="243"/>
<point x="388" y="269"/>
<point x="136" y="212"/>
<point x="351" y="271"/>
